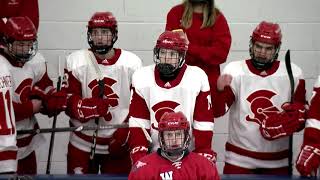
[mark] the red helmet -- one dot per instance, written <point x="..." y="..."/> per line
<point x="267" y="32"/>
<point x="103" y="20"/>
<point x="172" y="40"/>
<point x="172" y="122"/>
<point x="20" y="29"/>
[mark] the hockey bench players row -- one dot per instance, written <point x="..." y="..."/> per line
<point x="96" y="90"/>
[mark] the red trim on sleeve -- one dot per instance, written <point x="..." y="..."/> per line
<point x="202" y="140"/>
<point x="311" y="137"/>
<point x="314" y="111"/>
<point x="203" y="109"/>
<point x="221" y="99"/>
<point x="138" y="107"/>
<point x="23" y="110"/>
<point x="300" y="92"/>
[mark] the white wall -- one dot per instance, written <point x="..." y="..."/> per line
<point x="63" y="29"/>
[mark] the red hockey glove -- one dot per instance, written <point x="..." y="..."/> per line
<point x="137" y="153"/>
<point x="308" y="160"/>
<point x="290" y="120"/>
<point x="88" y="108"/>
<point x="117" y="146"/>
<point x="55" y="103"/>
<point x="37" y="93"/>
<point x="210" y="155"/>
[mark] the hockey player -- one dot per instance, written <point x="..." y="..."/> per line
<point x="30" y="84"/>
<point x="173" y="159"/>
<point x="169" y="86"/>
<point x="256" y="92"/>
<point x="308" y="160"/>
<point x="8" y="147"/>
<point x="98" y="82"/>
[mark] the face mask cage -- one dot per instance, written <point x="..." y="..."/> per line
<point x="168" y="61"/>
<point x="174" y="143"/>
<point x="261" y="63"/>
<point x="23" y="51"/>
<point x="108" y="38"/>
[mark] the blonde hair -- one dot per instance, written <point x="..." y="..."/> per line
<point x="209" y="15"/>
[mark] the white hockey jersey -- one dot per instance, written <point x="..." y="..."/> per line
<point x="152" y="97"/>
<point x="258" y="95"/>
<point x="8" y="147"/>
<point x="32" y="73"/>
<point x="117" y="74"/>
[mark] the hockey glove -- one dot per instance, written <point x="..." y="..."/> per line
<point x="55" y="103"/>
<point x="37" y="93"/>
<point x="88" y="108"/>
<point x="285" y="123"/>
<point x="308" y="160"/>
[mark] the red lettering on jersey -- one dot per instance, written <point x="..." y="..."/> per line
<point x="108" y="93"/>
<point x="7" y="126"/>
<point x="261" y="105"/>
<point x="24" y="89"/>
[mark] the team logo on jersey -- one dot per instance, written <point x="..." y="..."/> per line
<point x="108" y="93"/>
<point x="261" y="106"/>
<point x="166" y="175"/>
<point x="24" y="89"/>
<point x="160" y="108"/>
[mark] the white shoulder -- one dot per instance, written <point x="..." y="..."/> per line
<point x="77" y="59"/>
<point x="132" y="59"/>
<point x="196" y="70"/>
<point x="38" y="65"/>
<point x="38" y="58"/>
<point x="143" y="75"/>
<point x="234" y="68"/>
<point x="4" y="61"/>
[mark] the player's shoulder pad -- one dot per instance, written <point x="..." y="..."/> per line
<point x="4" y="60"/>
<point x="77" y="59"/>
<point x="234" y="68"/>
<point x="131" y="58"/>
<point x="38" y="58"/>
<point x="195" y="71"/>
<point x="143" y="75"/>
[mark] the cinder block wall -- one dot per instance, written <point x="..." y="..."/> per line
<point x="63" y="30"/>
